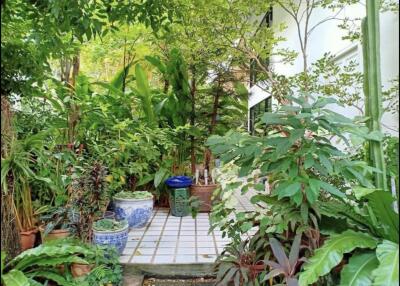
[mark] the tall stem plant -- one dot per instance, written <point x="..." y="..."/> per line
<point x="372" y="89"/>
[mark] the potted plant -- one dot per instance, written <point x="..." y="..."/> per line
<point x="111" y="232"/>
<point x="16" y="176"/>
<point x="135" y="207"/>
<point x="59" y="222"/>
<point x="203" y="188"/>
<point x="237" y="264"/>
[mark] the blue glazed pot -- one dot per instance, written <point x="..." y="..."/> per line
<point x="136" y="211"/>
<point x="112" y="238"/>
<point x="178" y="182"/>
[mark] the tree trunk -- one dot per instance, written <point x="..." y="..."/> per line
<point x="192" y="120"/>
<point x="9" y="232"/>
<point x="213" y="123"/>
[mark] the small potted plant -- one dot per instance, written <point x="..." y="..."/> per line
<point x="203" y="188"/>
<point x="136" y="207"/>
<point x="242" y="260"/>
<point x="59" y="222"/>
<point x="111" y="233"/>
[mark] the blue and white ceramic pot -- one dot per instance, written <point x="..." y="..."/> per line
<point x="116" y="238"/>
<point x="136" y="211"/>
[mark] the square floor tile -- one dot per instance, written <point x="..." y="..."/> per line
<point x="186" y="244"/>
<point x="131" y="244"/>
<point x="141" y="259"/>
<point x="174" y="228"/>
<point x="134" y="238"/>
<point x="153" y="232"/>
<point x="144" y="251"/>
<point x="185" y="259"/>
<point x="169" y="238"/>
<point x="153" y="227"/>
<point x="205" y="243"/>
<point x="209" y="250"/>
<point x="167" y="244"/>
<point x="164" y="251"/>
<point x="124" y="258"/>
<point x="187" y="232"/>
<point x="162" y="259"/>
<point x="203" y="233"/>
<point x="170" y="232"/>
<point x="204" y="236"/>
<point x="128" y="250"/>
<point x="151" y="238"/>
<point x="186" y="251"/>
<point x="187" y="238"/>
<point x="148" y="244"/>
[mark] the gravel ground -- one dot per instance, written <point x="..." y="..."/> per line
<point x="179" y="282"/>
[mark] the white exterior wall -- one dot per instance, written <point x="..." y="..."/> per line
<point x="328" y="38"/>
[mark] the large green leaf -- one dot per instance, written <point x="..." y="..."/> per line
<point x="144" y="91"/>
<point x="381" y="204"/>
<point x="387" y="273"/>
<point x="331" y="253"/>
<point x="51" y="275"/>
<point x="43" y="252"/>
<point x="15" y="278"/>
<point x="359" y="269"/>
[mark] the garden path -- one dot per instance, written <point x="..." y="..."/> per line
<point x="178" y="240"/>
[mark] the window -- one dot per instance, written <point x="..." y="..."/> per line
<point x="257" y="111"/>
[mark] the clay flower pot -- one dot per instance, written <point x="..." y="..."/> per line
<point x="79" y="270"/>
<point x="204" y="193"/>
<point x="28" y="239"/>
<point x="54" y="234"/>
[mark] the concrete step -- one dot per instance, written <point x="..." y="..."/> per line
<point x="193" y="270"/>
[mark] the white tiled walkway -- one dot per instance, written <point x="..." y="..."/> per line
<point x="176" y="240"/>
<point x="173" y="240"/>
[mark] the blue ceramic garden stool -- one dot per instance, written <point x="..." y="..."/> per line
<point x="179" y="195"/>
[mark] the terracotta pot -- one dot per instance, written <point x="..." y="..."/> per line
<point x="61" y="269"/>
<point x="79" y="270"/>
<point x="28" y="239"/>
<point x="54" y="234"/>
<point x="204" y="193"/>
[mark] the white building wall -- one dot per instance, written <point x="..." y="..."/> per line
<point x="328" y="38"/>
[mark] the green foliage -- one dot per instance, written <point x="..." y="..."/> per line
<point x="90" y="197"/>
<point x="109" y="224"/>
<point x="387" y="273"/>
<point x="133" y="195"/>
<point x="331" y="254"/>
<point x="286" y="266"/>
<point x="359" y="269"/>
<point x="107" y="268"/>
<point x="294" y="160"/>
<point x="40" y="264"/>
<point x="234" y="265"/>
<point x="66" y="217"/>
